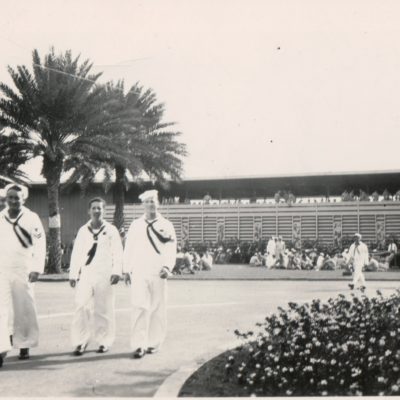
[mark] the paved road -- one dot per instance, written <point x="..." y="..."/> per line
<point x="202" y="318"/>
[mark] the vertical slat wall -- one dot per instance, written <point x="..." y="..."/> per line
<point x="317" y="220"/>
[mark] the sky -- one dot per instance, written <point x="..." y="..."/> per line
<point x="256" y="87"/>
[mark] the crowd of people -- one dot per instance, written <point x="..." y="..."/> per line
<point x="189" y="260"/>
<point x="277" y="256"/>
<point x="287" y="197"/>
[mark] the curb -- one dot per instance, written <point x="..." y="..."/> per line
<point x="173" y="384"/>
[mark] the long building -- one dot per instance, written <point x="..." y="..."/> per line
<point x="73" y="202"/>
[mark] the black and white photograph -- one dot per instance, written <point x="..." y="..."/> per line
<point x="199" y="198"/>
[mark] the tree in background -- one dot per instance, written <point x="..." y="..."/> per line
<point x="152" y="146"/>
<point x="56" y="112"/>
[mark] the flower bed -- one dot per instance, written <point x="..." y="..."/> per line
<point x="346" y="346"/>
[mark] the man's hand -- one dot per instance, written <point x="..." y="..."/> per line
<point x="127" y="279"/>
<point x="114" y="279"/>
<point x="164" y="273"/>
<point x="72" y="283"/>
<point x="33" y="276"/>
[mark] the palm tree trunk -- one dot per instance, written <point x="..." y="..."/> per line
<point x="52" y="172"/>
<point x="119" y="197"/>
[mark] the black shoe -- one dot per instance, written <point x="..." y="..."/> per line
<point x="139" y="353"/>
<point x="24" y="354"/>
<point x="80" y="350"/>
<point x="151" y="350"/>
<point x="351" y="286"/>
<point x="102" y="349"/>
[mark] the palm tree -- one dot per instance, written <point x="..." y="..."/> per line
<point x="153" y="148"/>
<point x="55" y="113"/>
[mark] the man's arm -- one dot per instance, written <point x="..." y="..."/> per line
<point x="169" y="254"/>
<point x="117" y="252"/>
<point x="38" y="247"/>
<point x="77" y="257"/>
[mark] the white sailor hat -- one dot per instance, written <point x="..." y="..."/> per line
<point x="2" y="193"/>
<point x="24" y="189"/>
<point x="149" y="194"/>
<point x="358" y="235"/>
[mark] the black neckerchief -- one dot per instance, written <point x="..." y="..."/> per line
<point x="22" y="234"/>
<point x="159" y="236"/>
<point x="91" y="253"/>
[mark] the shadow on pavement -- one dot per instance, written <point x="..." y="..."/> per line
<point x="43" y="361"/>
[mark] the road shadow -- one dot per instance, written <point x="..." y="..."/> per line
<point x="46" y="361"/>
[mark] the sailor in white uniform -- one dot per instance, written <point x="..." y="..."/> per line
<point x="96" y="265"/>
<point x="22" y="259"/>
<point x="359" y="258"/>
<point x="149" y="257"/>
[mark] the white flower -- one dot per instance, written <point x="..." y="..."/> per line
<point x="392" y="333"/>
<point x="388" y="353"/>
<point x="289" y="392"/>
<point x="333" y="362"/>
<point x="269" y="347"/>
<point x="372" y="340"/>
<point x="324" y="382"/>
<point x="381" y="379"/>
<point x="324" y="393"/>
<point x="395" y="388"/>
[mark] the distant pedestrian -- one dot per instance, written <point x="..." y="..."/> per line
<point x="359" y="258"/>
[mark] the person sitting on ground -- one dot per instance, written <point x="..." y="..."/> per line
<point x="296" y="260"/>
<point x="374" y="264"/>
<point x="195" y="259"/>
<point x="329" y="264"/>
<point x="228" y="256"/>
<point x="206" y="261"/>
<point x="285" y="259"/>
<point x="313" y="255"/>
<point x="184" y="261"/>
<point x="220" y="256"/>
<point x="346" y="255"/>
<point x="305" y="261"/>
<point x="255" y="260"/>
<point x="320" y="261"/>
<point x="341" y="262"/>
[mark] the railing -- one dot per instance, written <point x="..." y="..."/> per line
<point x="323" y="221"/>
